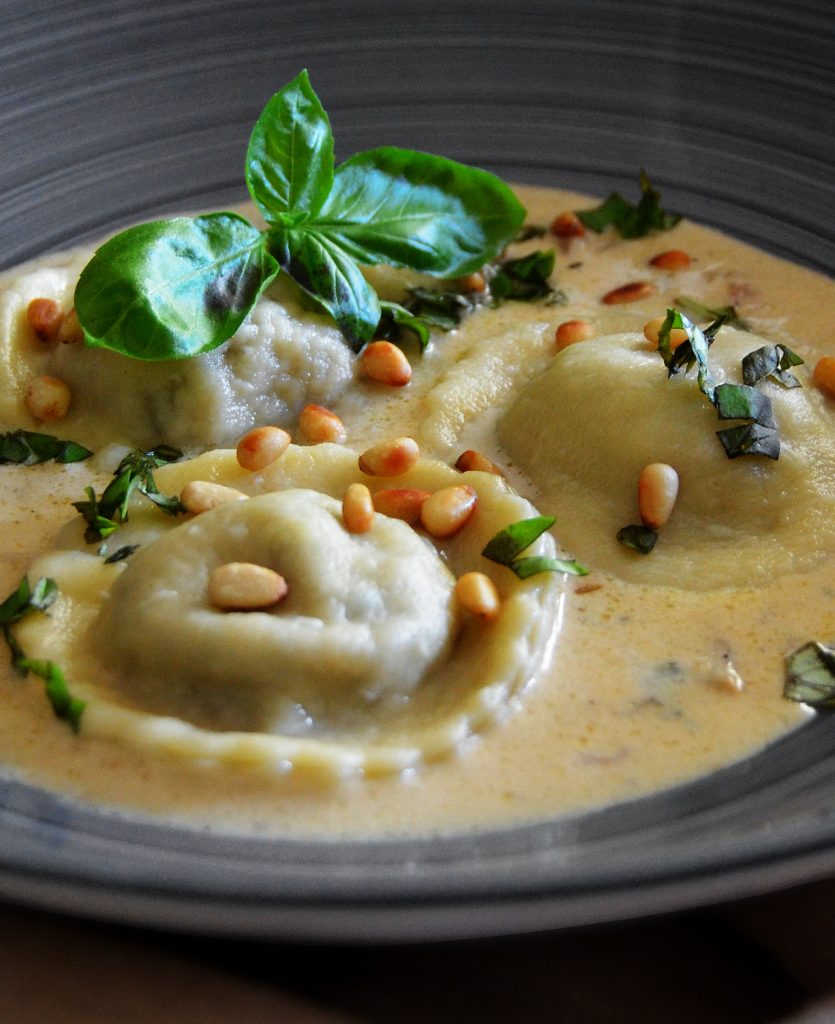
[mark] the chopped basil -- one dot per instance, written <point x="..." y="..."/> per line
<point x="750" y="439"/>
<point x="119" y="555"/>
<point x="64" y="704"/>
<point x="27" y="448"/>
<point x="631" y="220"/>
<point x="640" y="538"/>
<point x="104" y="515"/>
<point x="509" y="543"/>
<point x="741" y="402"/>
<point x="525" y="279"/>
<point x="23" y="600"/>
<point x="529" y="231"/>
<point x="771" y="361"/>
<point x="810" y="675"/>
<point x="727" y="314"/>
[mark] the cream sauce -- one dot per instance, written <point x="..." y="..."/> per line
<point x="639" y="696"/>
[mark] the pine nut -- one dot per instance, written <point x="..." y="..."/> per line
<point x="70" y="331"/>
<point x="200" y="496"/>
<point x="389" y="458"/>
<point x="45" y="317"/>
<point x="357" y="509"/>
<point x="657" y="493"/>
<point x="568" y="225"/>
<point x="243" y="586"/>
<point x="478" y="595"/>
<point x="401" y="503"/>
<point x="447" y="510"/>
<point x="319" y="425"/>
<point x="824" y="375"/>
<point x="571" y="331"/>
<point x="48" y="398"/>
<point x="632" y="292"/>
<point x="652" y="329"/>
<point x="386" y="363"/>
<point x="671" y="259"/>
<point x="471" y="283"/>
<point x="261" y="446"/>
<point x="471" y="459"/>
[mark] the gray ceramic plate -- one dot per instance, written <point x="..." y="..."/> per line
<point x="111" y="111"/>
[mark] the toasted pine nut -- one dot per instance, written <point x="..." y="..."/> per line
<point x="824" y="375"/>
<point x="571" y="331"/>
<point x="243" y="586"/>
<point x="567" y="225"/>
<point x="447" y="510"/>
<point x="671" y="259"/>
<point x="45" y="317"/>
<point x="472" y="282"/>
<point x="261" y="446"/>
<point x="389" y="458"/>
<point x="401" y="503"/>
<point x="70" y="332"/>
<point x="201" y="495"/>
<point x="48" y="398"/>
<point x="471" y="459"/>
<point x="657" y="493"/>
<point x="357" y="509"/>
<point x="652" y="328"/>
<point x="632" y="292"/>
<point x="478" y="595"/>
<point x="320" y="425"/>
<point x="386" y="363"/>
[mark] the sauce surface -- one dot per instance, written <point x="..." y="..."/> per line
<point x="649" y="685"/>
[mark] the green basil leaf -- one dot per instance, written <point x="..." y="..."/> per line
<point x="25" y="599"/>
<point x="771" y="361"/>
<point x="639" y="538"/>
<point x="529" y="231"/>
<point x="631" y="220"/>
<point x="411" y="209"/>
<point x="64" y="704"/>
<point x="525" y="567"/>
<point x="444" y="309"/>
<point x="514" y="539"/>
<point x="750" y="439"/>
<point x="394" y="317"/>
<point x="173" y="288"/>
<point x="695" y="349"/>
<point x="27" y="448"/>
<point x="525" y="279"/>
<point x="330" y="276"/>
<point x="727" y="314"/>
<point x="289" y="162"/>
<point x="120" y="554"/>
<point x="740" y="402"/>
<point x="810" y="675"/>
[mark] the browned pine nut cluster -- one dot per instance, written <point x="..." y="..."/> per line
<point x="45" y="317"/>
<point x="570" y="332"/>
<point x="262" y="446"/>
<point x="473" y="460"/>
<point x="447" y="510"/>
<point x="671" y="259"/>
<point x="652" y="330"/>
<point x="386" y="364"/>
<point x="401" y="503"/>
<point x="389" y="458"/>
<point x="567" y="225"/>
<point x="357" y="509"/>
<point x="319" y="425"/>
<point x="632" y="292"/>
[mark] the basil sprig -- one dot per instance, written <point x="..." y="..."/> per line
<point x="27" y="448"/>
<point x="637" y="537"/>
<point x="810" y="675"/>
<point x="175" y="288"/>
<point x="104" y="515"/>
<point x="631" y="220"/>
<point x="508" y="544"/>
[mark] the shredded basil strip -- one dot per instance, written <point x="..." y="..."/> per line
<point x="28" y="448"/>
<point x="509" y="543"/>
<point x="727" y="314"/>
<point x="810" y="675"/>
<point x="22" y="601"/>
<point x="637" y="537"/>
<point x="771" y="362"/>
<point x="631" y="220"/>
<point x="64" y="704"/>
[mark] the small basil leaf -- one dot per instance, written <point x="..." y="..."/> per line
<point x="289" y="162"/>
<point x="810" y="675"/>
<point x="525" y="567"/>
<point x="394" y="316"/>
<point x="64" y="704"/>
<point x="727" y="314"/>
<point x="25" y="599"/>
<point x="119" y="555"/>
<point x="750" y="439"/>
<point x="514" y="539"/>
<point x="639" y="538"/>
<point x="740" y="402"/>
<point x="631" y="221"/>
<point x="411" y="209"/>
<point x="771" y="361"/>
<point x="27" y="448"/>
<point x="442" y="309"/>
<point x="330" y="276"/>
<point x="173" y="288"/>
<point x="525" y="279"/>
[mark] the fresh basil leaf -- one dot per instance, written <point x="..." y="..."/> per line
<point x="395" y="317"/>
<point x="740" y="402"/>
<point x="444" y="309"/>
<point x="695" y="349"/>
<point x="631" y="220"/>
<point x="771" y="361"/>
<point x="64" y="704"/>
<point x="727" y="314"/>
<point x="289" y="162"/>
<point x="25" y="599"/>
<point x="525" y="279"/>
<point x="810" y="675"/>
<point x="750" y="439"/>
<point x="173" y="288"/>
<point x="514" y="539"/>
<point x="120" y="554"/>
<point x="27" y="448"/>
<point x="529" y="231"/>
<point x="525" y="567"/>
<point x="330" y="276"/>
<point x="639" y="538"/>
<point x="411" y="209"/>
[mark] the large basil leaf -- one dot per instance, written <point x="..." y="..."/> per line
<point x="411" y="209"/>
<point x="289" y="162"/>
<point x="319" y="266"/>
<point x="173" y="288"/>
